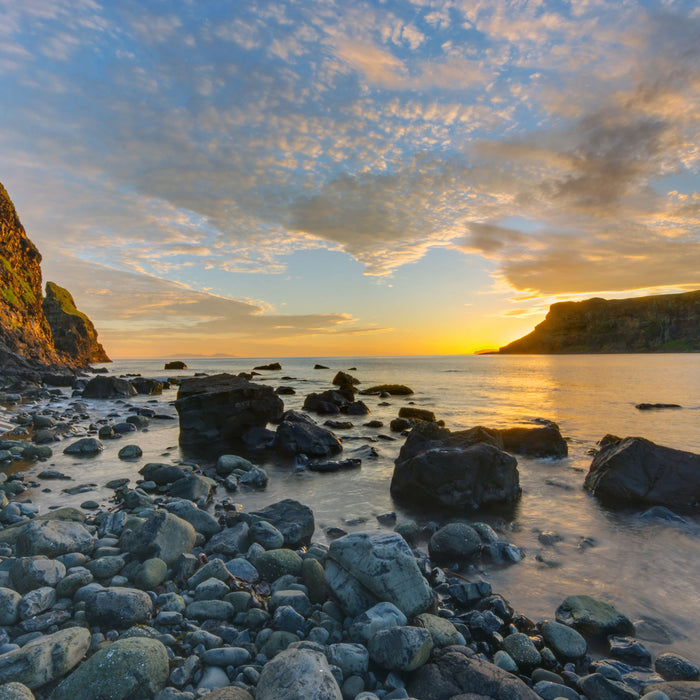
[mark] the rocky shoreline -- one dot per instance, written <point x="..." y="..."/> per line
<point x="176" y="590"/>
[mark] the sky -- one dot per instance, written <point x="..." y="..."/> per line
<point x="335" y="177"/>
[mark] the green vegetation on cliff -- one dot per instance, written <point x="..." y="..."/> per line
<point x="663" y="323"/>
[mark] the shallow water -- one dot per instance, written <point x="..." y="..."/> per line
<point x="647" y="569"/>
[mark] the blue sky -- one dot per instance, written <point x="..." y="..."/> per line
<point x="335" y="177"/>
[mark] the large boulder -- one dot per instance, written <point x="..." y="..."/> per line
<point x="456" y="672"/>
<point x="53" y="538"/>
<point x="108" y="388"/>
<point x="297" y="673"/>
<point x="117" y="607"/>
<point x="216" y="411"/>
<point x="135" y="667"/>
<point x="364" y="569"/>
<point x="635" y="470"/>
<point x="45" y="659"/>
<point x="464" y="469"/>
<point x="298" y="434"/>
<point x="161" y="535"/>
<point x="592" y="617"/>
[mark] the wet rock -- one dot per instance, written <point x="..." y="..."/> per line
<point x="415" y="413"/>
<point x="200" y="520"/>
<point x="28" y="573"/>
<point x="147" y="386"/>
<point x="442" y="631"/>
<point x="365" y="568"/>
<point x="450" y="469"/>
<point x="293" y="519"/>
<point x="522" y="650"/>
<point x="162" y="535"/>
<point x="227" y="464"/>
<point x="677" y="690"/>
<point x="535" y="442"/>
<point x="638" y="471"/>
<point x="117" y="607"/>
<point x="175" y="364"/>
<point x="297" y="673"/>
<point x="130" y="452"/>
<point x="53" y="538"/>
<point x="455" y="542"/>
<point x="108" y="388"/>
<point x="549" y="690"/>
<point x="598" y="686"/>
<point x="9" y="606"/>
<point x="46" y="658"/>
<point x="401" y="648"/>
<point x="456" y="671"/>
<point x="390" y="389"/>
<point x="298" y="434"/>
<point x="216" y="411"/>
<point x="566" y="643"/>
<point x="85" y="447"/>
<point x="630" y="651"/>
<point x="592" y="617"/>
<point x="673" y="667"/>
<point x="278" y="562"/>
<point x="135" y="667"/>
<point x="334" y="466"/>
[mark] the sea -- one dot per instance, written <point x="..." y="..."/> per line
<point x="649" y="568"/>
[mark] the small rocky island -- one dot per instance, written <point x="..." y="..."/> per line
<point x="45" y="337"/>
<point x="662" y="323"/>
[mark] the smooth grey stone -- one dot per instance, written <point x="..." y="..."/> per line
<point x="401" y="648"/>
<point x="564" y="641"/>
<point x="443" y="632"/>
<point x="53" y="537"/>
<point x="162" y="535"/>
<point x="599" y="687"/>
<point x="674" y="667"/>
<point x="266" y="535"/>
<point x="295" y="599"/>
<point x="504" y="660"/>
<point x="551" y="691"/>
<point x="151" y="573"/>
<point x="200" y="520"/>
<point x="106" y="567"/>
<point x="522" y="651"/>
<point x="277" y="562"/>
<point x="15" y="691"/>
<point x="241" y="568"/>
<point x="36" y="602"/>
<point x="213" y="678"/>
<point x="211" y="589"/>
<point x="209" y="610"/>
<point x="28" y="573"/>
<point x="381" y="616"/>
<point x="212" y="569"/>
<point x="226" y="656"/>
<point x="9" y="606"/>
<point x="117" y="607"/>
<point x="352" y="659"/>
<point x="592" y="617"/>
<point x="454" y="542"/>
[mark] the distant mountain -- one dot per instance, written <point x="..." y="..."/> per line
<point x="31" y="343"/>
<point x="663" y="323"/>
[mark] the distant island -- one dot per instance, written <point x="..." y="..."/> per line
<point x="662" y="323"/>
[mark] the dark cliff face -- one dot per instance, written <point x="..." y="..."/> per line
<point x="27" y="343"/>
<point x="664" y="323"/>
<point x="73" y="332"/>
<point x="23" y="326"/>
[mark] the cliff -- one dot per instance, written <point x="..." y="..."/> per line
<point x="663" y="323"/>
<point x="27" y="345"/>
<point x="73" y="332"/>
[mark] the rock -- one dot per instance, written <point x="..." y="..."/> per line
<point x="147" y="386"/>
<point x="330" y="466"/>
<point x="638" y="471"/>
<point x="227" y="464"/>
<point x="630" y="651"/>
<point x="553" y="691"/>
<point x="392" y="389"/>
<point x="266" y="535"/>
<point x="86" y="447"/>
<point x="272" y="367"/>
<point x="15" y="691"/>
<point x="449" y="469"/>
<point x="278" y="562"/>
<point x="521" y="649"/>
<point x="293" y="519"/>
<point x="535" y="442"/>
<point x="382" y="616"/>
<point x="108" y="388"/>
<point x="192" y="487"/>
<point x="673" y="667"/>
<point x="297" y="673"/>
<point x="36" y="602"/>
<point x="117" y="607"/>
<point x="365" y="568"/>
<point x="53" y="538"/>
<point x="343" y="379"/>
<point x="566" y="643"/>
<point x="175" y="364"/>
<point x="28" y="573"/>
<point x="651" y="406"/>
<point x="298" y="434"/>
<point x="162" y="535"/>
<point x="163" y="474"/>
<point x="598" y="686"/>
<point x="9" y="607"/>
<point x="677" y="690"/>
<point x="457" y="672"/>
<point x="414" y="413"/>
<point x="46" y="658"/>
<point x="592" y="617"/>
<point x="130" y="452"/>
<point x="151" y="573"/>
<point x="455" y="542"/>
<point x="230" y="693"/>
<point x="135" y="667"/>
<point x="200" y="520"/>
<point x="351" y="659"/>
<point x="231" y="540"/>
<point x="401" y="648"/>
<point x="216" y="411"/>
<point x="442" y="631"/>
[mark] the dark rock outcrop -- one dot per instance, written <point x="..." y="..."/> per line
<point x="635" y="470"/>
<point x="458" y="470"/>
<point x="175" y="364"/>
<point x="662" y="323"/>
<point x="73" y="332"/>
<point x="28" y="349"/>
<point x="298" y="434"/>
<point x="108" y="388"/>
<point x="216" y="411"/>
<point x="535" y="442"/>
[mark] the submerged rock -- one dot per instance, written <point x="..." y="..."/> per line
<point x="592" y="617"/>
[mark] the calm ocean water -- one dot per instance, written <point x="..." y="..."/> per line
<point x="647" y="569"/>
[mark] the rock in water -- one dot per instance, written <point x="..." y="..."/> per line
<point x="134" y="667"/>
<point x="636" y="470"/>
<point x="73" y="332"/>
<point x="366" y="568"/>
<point x="45" y="659"/>
<point x="535" y="442"/>
<point x="298" y="434"/>
<point x="108" y="388"/>
<point x="216" y="411"/>
<point x="454" y="469"/>
<point x="592" y="617"/>
<point x="295" y="674"/>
